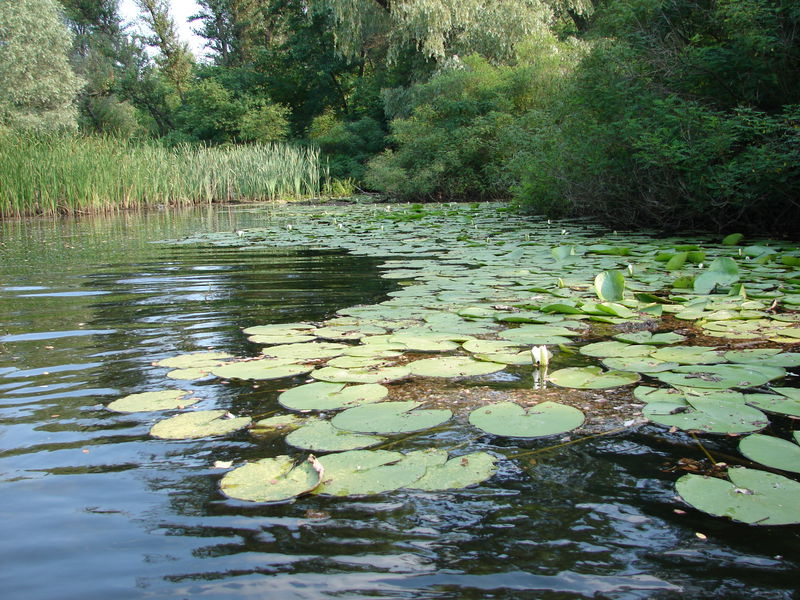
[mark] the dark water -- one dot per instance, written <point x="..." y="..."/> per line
<point x="92" y="508"/>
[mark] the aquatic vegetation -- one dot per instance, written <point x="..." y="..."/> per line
<point x="198" y="424"/>
<point x="149" y="401"/>
<point x="480" y="298"/>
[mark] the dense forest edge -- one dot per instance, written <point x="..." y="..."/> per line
<point x="669" y="114"/>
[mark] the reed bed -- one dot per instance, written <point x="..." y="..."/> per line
<point x="79" y="174"/>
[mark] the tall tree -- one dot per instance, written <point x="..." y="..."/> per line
<point x="38" y="84"/>
<point x="174" y="57"/>
<point x="438" y="27"/>
<point x="234" y="28"/>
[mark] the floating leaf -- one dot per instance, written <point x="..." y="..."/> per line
<point x="638" y="364"/>
<point x="306" y="351"/>
<point x="771" y="357"/>
<point x="458" y="472"/>
<point x="270" y="480"/>
<point x="610" y="285"/>
<point x="689" y="355"/>
<point x="390" y="417"/>
<point x="367" y="375"/>
<point x="771" y="451"/>
<point x="199" y="424"/>
<point x="284" y="329"/>
<point x="323" y="395"/>
<point x="721" y="272"/>
<point x="511" y="420"/>
<point x="720" y="376"/>
<point x="188" y="374"/>
<point x="752" y="496"/>
<point x="732" y="239"/>
<point x="452" y="366"/>
<point x="648" y="337"/>
<point x="265" y="368"/>
<point x="488" y="346"/>
<point x="320" y="436"/>
<point x="709" y="413"/>
<point x="150" y="401"/>
<point x="591" y="378"/>
<point x="278" y="424"/>
<point x="787" y="403"/>
<point x="194" y="360"/>
<point x="605" y="349"/>
<point x="360" y="472"/>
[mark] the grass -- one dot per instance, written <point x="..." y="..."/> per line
<point x="69" y="174"/>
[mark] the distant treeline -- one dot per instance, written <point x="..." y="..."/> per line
<point x="664" y="113"/>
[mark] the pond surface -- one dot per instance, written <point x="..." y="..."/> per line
<point x="94" y="508"/>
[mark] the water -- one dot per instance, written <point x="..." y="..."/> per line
<point x="92" y="508"/>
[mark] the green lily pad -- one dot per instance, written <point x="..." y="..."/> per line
<point x="150" y="401"/>
<point x="189" y="374"/>
<point x="722" y="272"/>
<point x="356" y="362"/>
<point x="752" y="496"/>
<point x="771" y="357"/>
<point x="320" y="436"/>
<point x="708" y="413"/>
<point x="771" y="451"/>
<point x="511" y="420"/>
<point x="457" y="473"/>
<point x="637" y="364"/>
<point x="366" y="375"/>
<point x="265" y="368"/>
<point x="284" y="329"/>
<point x="488" y="346"/>
<point x="506" y="358"/>
<point x="278" y="424"/>
<point x="306" y="351"/>
<point x="689" y="355"/>
<point x="648" y="337"/>
<point x="323" y="395"/>
<point x="199" y="424"/>
<point x="390" y="417"/>
<point x="618" y="349"/>
<point x="785" y="402"/>
<point x="452" y="366"/>
<point x="270" y="480"/>
<point x="194" y="360"/>
<point x="591" y="378"/>
<point x="361" y="472"/>
<point x="610" y="285"/>
<point x="277" y="340"/>
<point x="720" y="377"/>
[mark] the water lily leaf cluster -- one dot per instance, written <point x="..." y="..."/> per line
<point x="479" y="291"/>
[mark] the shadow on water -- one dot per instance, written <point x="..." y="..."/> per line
<point x="93" y="508"/>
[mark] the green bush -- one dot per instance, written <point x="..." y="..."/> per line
<point x="346" y="146"/>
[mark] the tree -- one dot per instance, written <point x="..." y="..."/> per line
<point x="438" y="28"/>
<point x="38" y="85"/>
<point x="174" y="58"/>
<point x="234" y="28"/>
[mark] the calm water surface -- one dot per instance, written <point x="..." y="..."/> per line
<point x="92" y="508"/>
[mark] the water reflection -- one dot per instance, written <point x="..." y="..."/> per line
<point x="93" y="508"/>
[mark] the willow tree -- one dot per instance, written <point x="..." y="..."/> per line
<point x="38" y="85"/>
<point x="438" y="28"/>
<point x="174" y="57"/>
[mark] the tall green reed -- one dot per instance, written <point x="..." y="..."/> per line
<point x="49" y="174"/>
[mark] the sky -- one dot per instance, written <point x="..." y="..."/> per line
<point x="180" y="11"/>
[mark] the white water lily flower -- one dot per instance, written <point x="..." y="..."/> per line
<point x="540" y="355"/>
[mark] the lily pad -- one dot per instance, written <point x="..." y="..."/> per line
<point x="306" y="351"/>
<point x="265" y="368"/>
<point x="648" y="337"/>
<point x="199" y="424"/>
<point x="637" y="364"/>
<point x="606" y="349"/>
<point x="278" y="424"/>
<point x="194" y="360"/>
<point x="366" y="375"/>
<point x="452" y="366"/>
<point x="271" y="480"/>
<point x="785" y="402"/>
<point x="720" y="377"/>
<point x="722" y="272"/>
<point x="457" y="473"/>
<point x="708" y="413"/>
<point x="511" y="420"/>
<point x="390" y="417"/>
<point x="361" y="472"/>
<point x="320" y="436"/>
<point x="771" y="451"/>
<point x="771" y="357"/>
<point x="150" y="401"/>
<point x="591" y="378"/>
<point x="610" y="285"/>
<point x="689" y="355"/>
<point x="752" y="496"/>
<point x="323" y="395"/>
